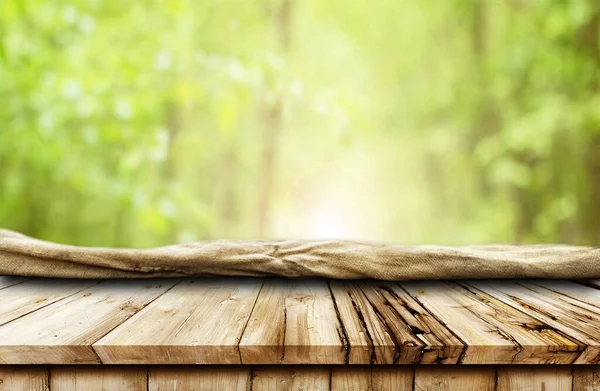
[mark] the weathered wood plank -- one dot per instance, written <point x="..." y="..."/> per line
<point x="494" y="332"/>
<point x="350" y="378"/>
<point x="199" y="378"/>
<point x="385" y="325"/>
<point x="435" y="343"/>
<point x="369" y="339"/>
<point x="534" y="378"/>
<point x="371" y="378"/>
<point x="392" y="378"/>
<point x="586" y="378"/>
<point x="98" y="378"/>
<point x="31" y="378"/>
<point x="20" y="299"/>
<point x="313" y="333"/>
<point x="64" y="331"/>
<point x="571" y="317"/>
<point x="291" y="377"/>
<point x="447" y="378"/>
<point x="263" y="339"/>
<point x="198" y="321"/>
<point x="294" y="322"/>
<point x="569" y="291"/>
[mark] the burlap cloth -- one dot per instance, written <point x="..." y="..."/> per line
<point x="25" y="256"/>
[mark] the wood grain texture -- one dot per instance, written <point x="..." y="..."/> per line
<point x="63" y="332"/>
<point x="198" y="378"/>
<point x="291" y="377"/>
<point x="436" y="344"/>
<point x="98" y="378"/>
<point x="346" y="377"/>
<point x="25" y="297"/>
<point x="369" y="339"/>
<point x="451" y="378"/>
<point x="392" y="378"/>
<point x="263" y="339"/>
<point x="371" y="378"/>
<point x="199" y="321"/>
<point x="294" y="322"/>
<point x="586" y="378"/>
<point x="30" y="378"/>
<point x="570" y="317"/>
<point x="494" y="332"/>
<point x="246" y="321"/>
<point x="299" y="377"/>
<point x="530" y="378"/>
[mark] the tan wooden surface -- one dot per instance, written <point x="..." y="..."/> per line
<point x="16" y="378"/>
<point x="98" y="378"/>
<point x="296" y="323"/>
<point x="6" y="281"/>
<point x="558" y="311"/>
<point x="28" y="296"/>
<point x="540" y="378"/>
<point x="299" y="377"/>
<point x="271" y="321"/>
<point x="371" y="378"/>
<point x="586" y="377"/>
<point x="291" y="377"/>
<point x="450" y="378"/>
<point x="64" y="331"/>
<point x="196" y="322"/>
<point x="493" y="331"/>
<point x="181" y="378"/>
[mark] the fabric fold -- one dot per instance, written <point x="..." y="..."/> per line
<point x="338" y="259"/>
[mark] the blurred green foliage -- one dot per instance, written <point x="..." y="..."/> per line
<point x="155" y="122"/>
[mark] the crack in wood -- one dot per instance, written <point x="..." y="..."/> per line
<point x="431" y="313"/>
<point x="251" y="377"/>
<point x="20" y="281"/>
<point x="361" y="317"/>
<point x="397" y="346"/>
<point x="248" y="321"/>
<point x="284" y="330"/>
<point x="406" y="307"/>
<point x="538" y="315"/>
<point x="341" y="329"/>
<point x="56" y="302"/>
<point x="502" y="333"/>
<point x="530" y="311"/>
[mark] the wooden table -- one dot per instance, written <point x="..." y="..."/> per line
<point x="353" y="331"/>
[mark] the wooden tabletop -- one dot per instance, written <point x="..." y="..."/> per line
<point x="270" y="321"/>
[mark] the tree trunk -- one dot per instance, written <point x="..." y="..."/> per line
<point x="274" y="121"/>
<point x="590" y="45"/>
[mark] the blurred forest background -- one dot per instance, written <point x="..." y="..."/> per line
<point x="155" y="122"/>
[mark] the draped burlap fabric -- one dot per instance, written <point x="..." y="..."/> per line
<point x="25" y="256"/>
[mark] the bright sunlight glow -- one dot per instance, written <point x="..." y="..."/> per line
<point x="327" y="226"/>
